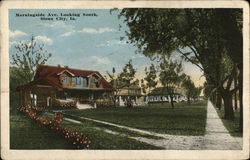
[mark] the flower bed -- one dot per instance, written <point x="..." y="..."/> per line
<point x="76" y="138"/>
<point x="64" y="103"/>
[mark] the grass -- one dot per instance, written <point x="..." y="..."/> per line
<point x="102" y="140"/>
<point x="184" y="119"/>
<point x="231" y="125"/>
<point x="26" y="134"/>
<point x="116" y="129"/>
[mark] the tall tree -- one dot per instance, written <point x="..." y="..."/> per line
<point x="127" y="77"/>
<point x="28" y="56"/>
<point x="196" y="34"/>
<point x="124" y="79"/>
<point x="188" y="86"/>
<point x="114" y="83"/>
<point x="150" y="78"/>
<point x="24" y="63"/>
<point x="143" y="86"/>
<point x="170" y="76"/>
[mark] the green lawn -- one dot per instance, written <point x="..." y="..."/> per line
<point x="232" y="126"/>
<point x="184" y="119"/>
<point x="26" y="134"/>
<point x="102" y="140"/>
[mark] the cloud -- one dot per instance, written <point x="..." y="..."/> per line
<point x="44" y="39"/>
<point x="88" y="31"/>
<point x="96" y="31"/>
<point x="138" y="56"/>
<point x="66" y="34"/>
<point x="17" y="33"/>
<point x="13" y="43"/>
<point x="112" y="43"/>
<point x="57" y="24"/>
<point x="100" y="60"/>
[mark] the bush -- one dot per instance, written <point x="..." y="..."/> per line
<point x="77" y="139"/>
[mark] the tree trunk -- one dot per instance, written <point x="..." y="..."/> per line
<point x="189" y="100"/>
<point x="218" y="100"/>
<point x="228" y="106"/>
<point x="214" y="97"/>
<point x="240" y="95"/>
<point x="235" y="95"/>
<point x="172" y="103"/>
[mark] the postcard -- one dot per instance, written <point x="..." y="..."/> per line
<point x="124" y="80"/>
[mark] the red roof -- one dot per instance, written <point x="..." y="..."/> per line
<point x="49" y="74"/>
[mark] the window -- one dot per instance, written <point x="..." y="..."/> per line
<point x="64" y="80"/>
<point x="78" y="82"/>
<point x="84" y="82"/>
<point x="73" y="80"/>
<point x="94" y="80"/>
<point x="33" y="99"/>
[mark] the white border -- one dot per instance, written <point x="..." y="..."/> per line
<point x="6" y="153"/>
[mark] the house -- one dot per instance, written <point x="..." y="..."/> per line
<point x="61" y="83"/>
<point x="132" y="93"/>
<point x="160" y="94"/>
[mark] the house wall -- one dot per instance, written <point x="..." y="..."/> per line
<point x="92" y="84"/>
<point x="40" y="96"/>
<point x="69" y="83"/>
<point x="69" y="79"/>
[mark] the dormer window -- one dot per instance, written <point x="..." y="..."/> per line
<point x="80" y="81"/>
<point x="64" y="80"/>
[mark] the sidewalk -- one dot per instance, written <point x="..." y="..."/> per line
<point x="217" y="137"/>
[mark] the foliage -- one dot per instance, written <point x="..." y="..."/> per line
<point x="126" y="77"/>
<point x="188" y="86"/>
<point x="150" y="78"/>
<point x="143" y="86"/>
<point x="170" y="76"/>
<point x="64" y="104"/>
<point x="78" y="139"/>
<point x="26" y="134"/>
<point x="198" y="35"/>
<point x="28" y="56"/>
<point x="16" y="80"/>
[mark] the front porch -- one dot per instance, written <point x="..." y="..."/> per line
<point x="48" y="96"/>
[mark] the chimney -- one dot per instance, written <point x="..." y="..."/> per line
<point x="58" y="66"/>
<point x="66" y="67"/>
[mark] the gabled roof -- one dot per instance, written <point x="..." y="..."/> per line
<point x="50" y="75"/>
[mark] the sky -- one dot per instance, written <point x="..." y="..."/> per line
<point x="90" y="41"/>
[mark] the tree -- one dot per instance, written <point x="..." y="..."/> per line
<point x="28" y="56"/>
<point x="189" y="87"/>
<point x="150" y="77"/>
<point x="15" y="81"/>
<point x="25" y="61"/>
<point x="196" y="34"/>
<point x="143" y="86"/>
<point x="114" y="83"/>
<point x="126" y="77"/>
<point x="170" y="76"/>
<point x="196" y="92"/>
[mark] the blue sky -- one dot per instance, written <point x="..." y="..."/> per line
<point x="89" y="42"/>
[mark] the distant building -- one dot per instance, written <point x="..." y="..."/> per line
<point x="132" y="93"/>
<point x="56" y="82"/>
<point x="160" y="94"/>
